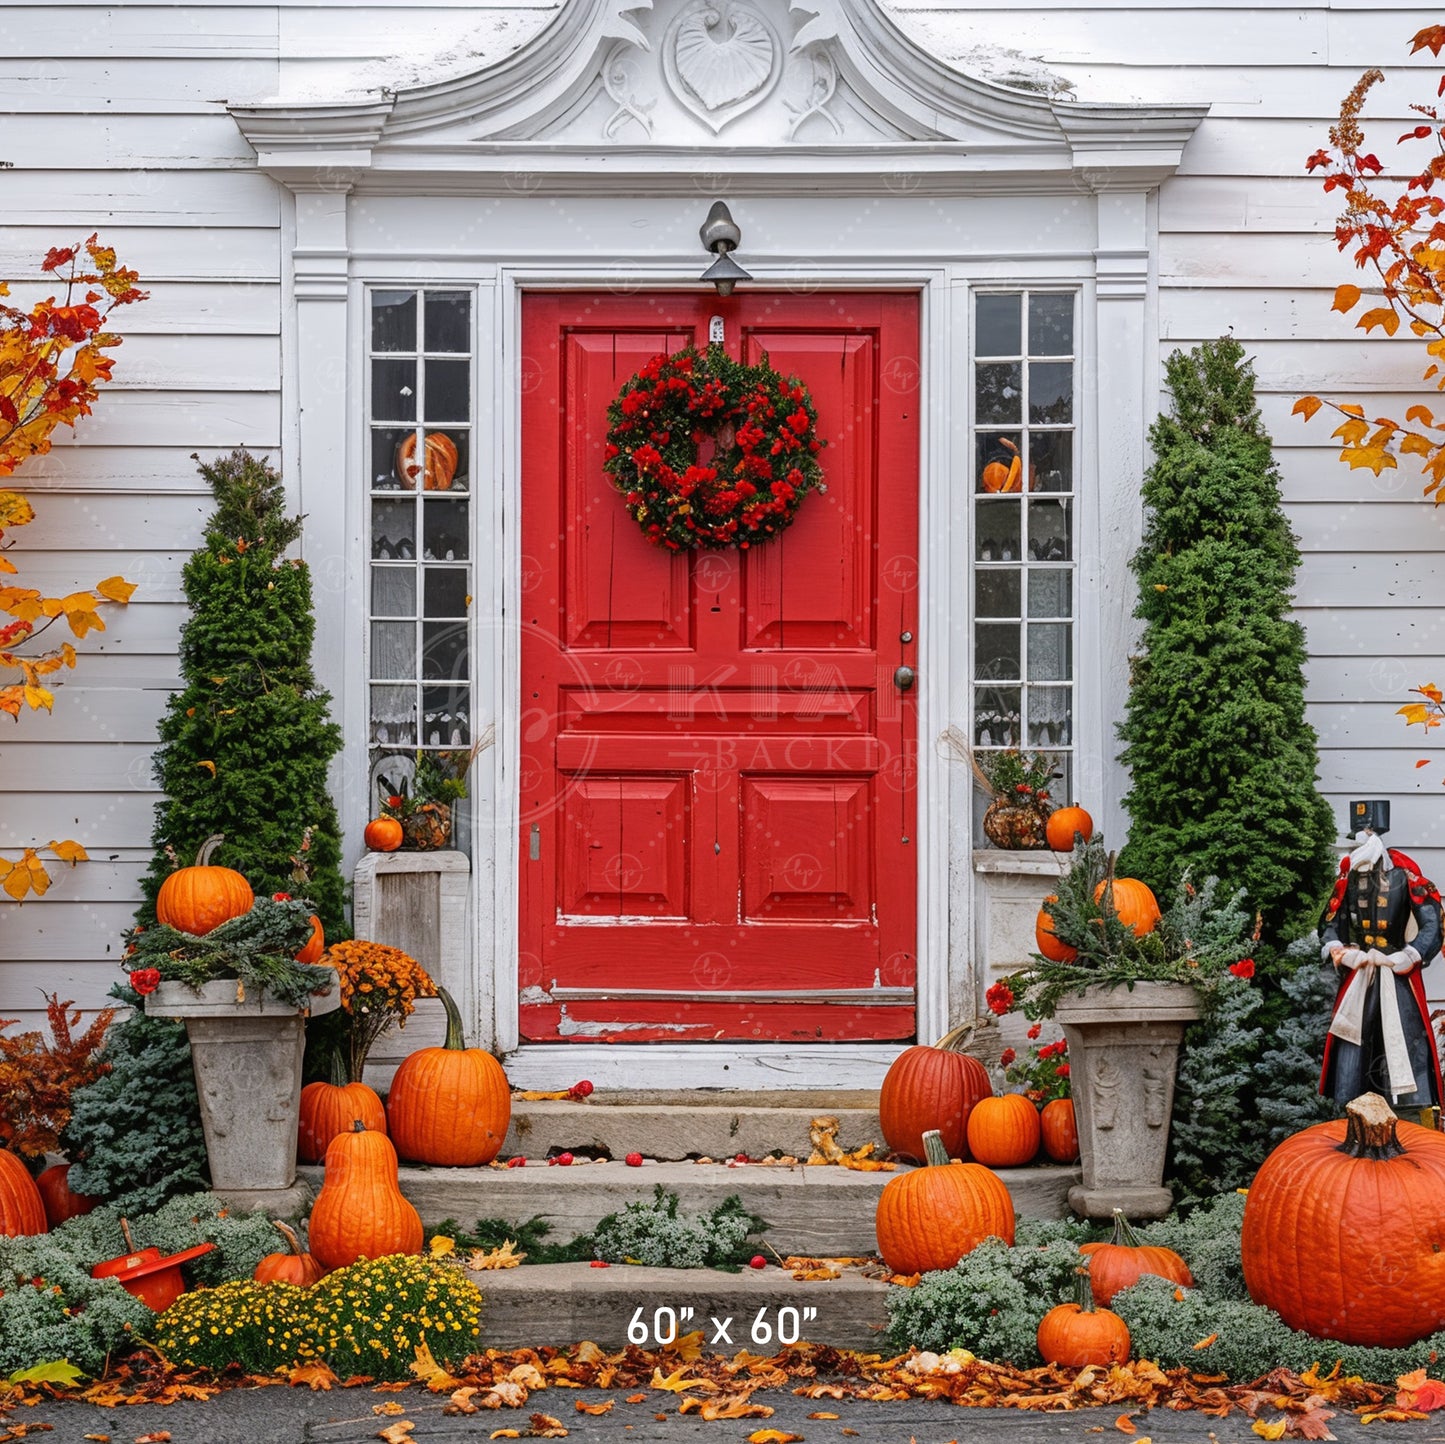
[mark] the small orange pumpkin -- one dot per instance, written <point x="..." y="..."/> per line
<point x="22" y="1210"/>
<point x="360" y="1211"/>
<point x="197" y="899"/>
<point x="1003" y="1132"/>
<point x="328" y="1109"/>
<point x="930" y="1217"/>
<point x="1123" y="1261"/>
<point x="60" y="1203"/>
<point x="440" y="462"/>
<point x="1135" y="904"/>
<point x="291" y="1267"/>
<point x="930" y="1088"/>
<point x="383" y="834"/>
<point x="1079" y="1334"/>
<point x="449" y="1105"/>
<point x="1063" y="823"/>
<point x="995" y="476"/>
<point x="1048" y="940"/>
<point x="1060" y="1130"/>
<point x="315" y="945"/>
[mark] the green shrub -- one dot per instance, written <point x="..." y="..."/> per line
<point x="652" y="1233"/>
<point x="260" y="1327"/>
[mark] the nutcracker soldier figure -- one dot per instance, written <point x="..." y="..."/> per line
<point x="1380" y="927"/>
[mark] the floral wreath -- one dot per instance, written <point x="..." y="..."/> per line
<point x="766" y="462"/>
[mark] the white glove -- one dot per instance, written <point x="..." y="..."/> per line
<point x="1351" y="958"/>
<point x="1376" y="959"/>
<point x="1402" y="962"/>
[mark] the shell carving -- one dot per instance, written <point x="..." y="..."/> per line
<point x="720" y="59"/>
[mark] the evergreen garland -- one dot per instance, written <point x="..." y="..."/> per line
<point x="1222" y="760"/>
<point x="247" y="742"/>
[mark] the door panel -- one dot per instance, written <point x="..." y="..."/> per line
<point x="717" y="803"/>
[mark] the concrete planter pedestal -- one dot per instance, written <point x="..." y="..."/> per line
<point x="1123" y="1053"/>
<point x="247" y="1060"/>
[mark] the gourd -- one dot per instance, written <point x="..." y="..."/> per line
<point x="55" y="1195"/>
<point x="1344" y="1229"/>
<point x="328" y="1109"/>
<point x="1063" y="823"/>
<point x="1123" y="1261"/>
<point x="1047" y="940"/>
<point x="931" y="1087"/>
<point x="1060" y="1130"/>
<point x="930" y="1217"/>
<point x="1079" y="1334"/>
<point x="360" y="1211"/>
<point x="291" y="1267"/>
<point x="440" y="462"/>
<point x="21" y="1208"/>
<point x="1134" y="904"/>
<point x="383" y="834"/>
<point x="1004" y="1132"/>
<point x="197" y="899"/>
<point x="315" y="945"/>
<point x="449" y="1105"/>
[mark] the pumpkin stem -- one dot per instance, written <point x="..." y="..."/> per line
<point x="289" y="1234"/>
<point x="1370" y="1129"/>
<point x="338" y="1069"/>
<point x="935" y="1154"/>
<point x="357" y="1126"/>
<point x="203" y="853"/>
<point x="1084" y="1290"/>
<point x="1123" y="1231"/>
<point x="455" y="1039"/>
<point x="957" y="1040"/>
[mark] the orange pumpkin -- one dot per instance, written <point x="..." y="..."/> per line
<point x="449" y="1105"/>
<point x="291" y="1267"/>
<point x="1344" y="1230"/>
<point x="930" y="1088"/>
<point x="1123" y="1261"/>
<point x="1063" y="823"/>
<point x="1048" y="940"/>
<point x="21" y="1208"/>
<point x="197" y="899"/>
<point x="1078" y="1334"/>
<point x="995" y="476"/>
<point x="59" y="1202"/>
<point x="1003" y="1132"/>
<point x="1060" y="1130"/>
<point x="315" y="945"/>
<point x="1135" y="905"/>
<point x="383" y="834"/>
<point x="930" y="1217"/>
<point x="328" y="1109"/>
<point x="440" y="462"/>
<point x="360" y="1211"/>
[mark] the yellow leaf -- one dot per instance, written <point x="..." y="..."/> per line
<point x="1350" y="409"/>
<point x="15" y="510"/>
<point x="116" y="589"/>
<point x="1267" y="1430"/>
<point x="1412" y="443"/>
<point x="1380" y="316"/>
<point x="1125" y="1425"/>
<point x="441" y="1245"/>
<point x="1374" y="457"/>
<point x="1422" y="414"/>
<point x="1306" y="406"/>
<point x="506" y="1434"/>
<point x="1346" y="296"/>
<point x="67" y="851"/>
<point x="396" y="1433"/>
<point x="504" y="1257"/>
<point x="1353" y="431"/>
<point x="38" y="697"/>
<point x="208" y="765"/>
<point x="1430" y="690"/>
<point x="7" y="566"/>
<point x="602" y="1408"/>
<point x="1414" y="712"/>
<point x="546" y="1426"/>
<point x="431" y="1373"/>
<point x="1205" y="1342"/>
<point x="318" y="1376"/>
<point x="675" y="1382"/>
<point x="823" y="1414"/>
<point x="772" y="1436"/>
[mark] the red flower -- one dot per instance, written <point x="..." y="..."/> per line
<point x="1007" y="1057"/>
<point x="1036" y="1030"/>
<point x="1000" y="999"/>
<point x="1244" y="968"/>
<point x="1062" y="1070"/>
<point x="145" y="980"/>
<point x="280" y="897"/>
<point x="395" y="800"/>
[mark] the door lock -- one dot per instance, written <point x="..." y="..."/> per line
<point x="904" y="678"/>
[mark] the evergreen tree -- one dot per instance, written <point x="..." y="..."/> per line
<point x="1223" y="761"/>
<point x="247" y="742"/>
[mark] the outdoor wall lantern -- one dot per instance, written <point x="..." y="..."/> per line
<point x="720" y="235"/>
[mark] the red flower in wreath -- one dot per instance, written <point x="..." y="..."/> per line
<point x="752" y="414"/>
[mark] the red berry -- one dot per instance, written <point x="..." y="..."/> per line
<point x="518" y="1162"/>
<point x="742" y="1158"/>
<point x="580" y="1090"/>
<point x="598" y="1263"/>
<point x="757" y="1262"/>
<point x="280" y="897"/>
<point x="563" y="1160"/>
<point x="634" y="1160"/>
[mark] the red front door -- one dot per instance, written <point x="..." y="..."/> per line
<point x="717" y="761"/>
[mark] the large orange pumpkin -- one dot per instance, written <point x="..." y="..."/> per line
<point x="1344" y="1229"/>
<point x="1048" y="940"/>
<point x="1135" y="905"/>
<point x="930" y="1088"/>
<point x="929" y="1217"/>
<point x="1004" y="1132"/>
<point x="1063" y="823"/>
<point x="1060" y="1130"/>
<point x="449" y="1105"/>
<point x="1078" y="1334"/>
<point x="383" y="834"/>
<point x="60" y="1203"/>
<point x="360" y="1211"/>
<point x="331" y="1108"/>
<point x="197" y="899"/>
<point x="1123" y="1261"/>
<point x="21" y="1207"/>
<point x="291" y="1267"/>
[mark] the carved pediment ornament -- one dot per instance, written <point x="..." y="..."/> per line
<point x="720" y="59"/>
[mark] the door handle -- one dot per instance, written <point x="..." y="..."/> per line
<point x="904" y="678"/>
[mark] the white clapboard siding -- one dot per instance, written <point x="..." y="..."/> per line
<point x="158" y="254"/>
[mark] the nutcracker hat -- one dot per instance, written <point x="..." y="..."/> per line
<point x="1374" y="815"/>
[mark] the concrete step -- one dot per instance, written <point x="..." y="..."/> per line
<point x="560" y="1304"/>
<point x="819" y="1210"/>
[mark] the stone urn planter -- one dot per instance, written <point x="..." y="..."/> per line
<point x="1123" y="1053"/>
<point x="247" y="1059"/>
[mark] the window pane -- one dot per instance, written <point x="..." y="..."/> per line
<point x="996" y="593"/>
<point x="996" y="716"/>
<point x="445" y="719"/>
<point x="1051" y="392"/>
<point x="393" y="715"/>
<point x="1051" y="325"/>
<point x="444" y="651"/>
<point x="393" y="530"/>
<point x="1050" y="652"/>
<point x="997" y="651"/>
<point x="393" y="321"/>
<point x="999" y="391"/>
<point x="1051" y="461"/>
<point x="1051" y="721"/>
<point x="445" y="592"/>
<point x="1051" y="531"/>
<point x="384" y="443"/>
<point x="1050" y="592"/>
<point x="998" y="330"/>
<point x="393" y="650"/>
<point x="994" y="453"/>
<point x="448" y="391"/>
<point x="445" y="537"/>
<point x="393" y="591"/>
<point x="448" y="321"/>
<point x="997" y="536"/>
<point x="393" y="390"/>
